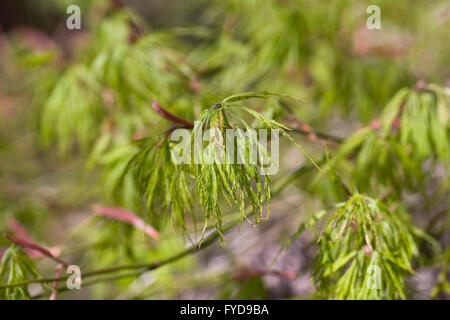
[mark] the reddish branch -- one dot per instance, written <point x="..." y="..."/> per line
<point x="21" y="233"/>
<point x="34" y="246"/>
<point x="299" y="126"/>
<point x="167" y="115"/>
<point x="126" y="216"/>
<point x="19" y="230"/>
<point x="304" y="129"/>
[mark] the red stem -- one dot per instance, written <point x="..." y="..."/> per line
<point x="126" y="216"/>
<point x="18" y="229"/>
<point x="167" y="115"/>
<point x="34" y="246"/>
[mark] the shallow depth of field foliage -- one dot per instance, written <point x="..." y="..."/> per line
<point x="359" y="208"/>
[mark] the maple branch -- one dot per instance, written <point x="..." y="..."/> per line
<point x="126" y="216"/>
<point x="34" y="246"/>
<point x="167" y="115"/>
<point x="303" y="128"/>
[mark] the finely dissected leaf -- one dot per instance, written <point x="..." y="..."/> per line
<point x="16" y="267"/>
<point x="158" y="179"/>
<point x="238" y="182"/>
<point x="363" y="235"/>
<point x="73" y="110"/>
<point x="250" y="95"/>
<point x="392" y="110"/>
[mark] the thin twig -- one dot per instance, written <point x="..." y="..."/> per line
<point x="304" y="129"/>
<point x="126" y="216"/>
<point x="34" y="246"/>
<point x="167" y="115"/>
